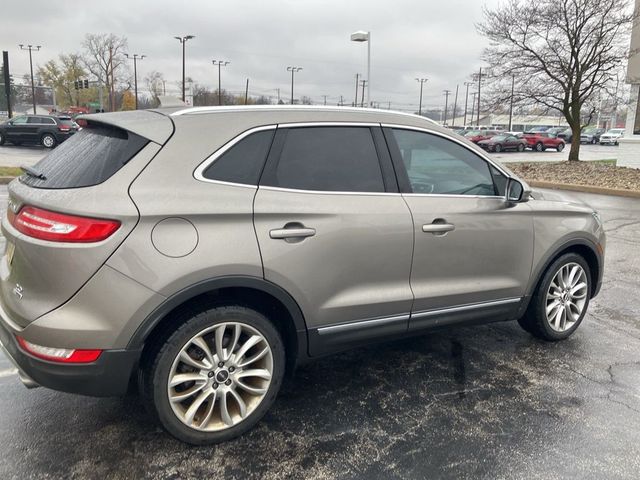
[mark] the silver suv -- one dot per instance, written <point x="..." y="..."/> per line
<point x="202" y="253"/>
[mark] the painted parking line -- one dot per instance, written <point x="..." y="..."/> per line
<point x="10" y="372"/>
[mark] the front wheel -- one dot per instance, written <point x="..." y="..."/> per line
<point x="594" y="140"/>
<point x="498" y="148"/>
<point x="560" y="147"/>
<point x="539" y="147"/>
<point x="561" y="299"/>
<point x="521" y="147"/>
<point x="216" y="376"/>
<point x="2" y="138"/>
<point x="48" y="140"/>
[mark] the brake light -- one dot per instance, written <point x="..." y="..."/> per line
<point x="60" y="355"/>
<point x="58" y="227"/>
<point x="62" y="128"/>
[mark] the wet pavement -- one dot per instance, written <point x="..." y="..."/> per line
<point x="476" y="402"/>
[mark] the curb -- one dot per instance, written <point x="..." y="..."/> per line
<point x="618" y="192"/>
<point x="5" y="180"/>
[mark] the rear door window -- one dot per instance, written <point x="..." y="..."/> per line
<point x="331" y="159"/>
<point x="88" y="158"/>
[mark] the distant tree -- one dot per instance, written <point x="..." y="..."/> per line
<point x="155" y="85"/>
<point x="304" y="100"/>
<point x="61" y="75"/>
<point x="560" y="52"/>
<point x="3" y="94"/>
<point x="104" y="58"/>
<point x="128" y="100"/>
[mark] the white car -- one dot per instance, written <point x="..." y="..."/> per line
<point x="612" y="136"/>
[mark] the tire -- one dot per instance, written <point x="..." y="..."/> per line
<point x="594" y="141"/>
<point x="2" y="138"/>
<point x="560" y="147"/>
<point x="48" y="140"/>
<point x="158" y="368"/>
<point x="498" y="148"/>
<point x="539" y="147"/>
<point x="520" y="147"/>
<point x="562" y="325"/>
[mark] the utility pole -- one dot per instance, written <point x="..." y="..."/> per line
<point x="183" y="40"/>
<point x="479" y="84"/>
<point x="355" y="101"/>
<point x="135" y="57"/>
<point x="364" y="83"/>
<point x="466" y="101"/>
<point x="455" y="107"/>
<point x="7" y="81"/>
<point x="422" y="81"/>
<point x="246" y="93"/>
<point x="389" y="106"/>
<point x="341" y="104"/>
<point x="164" y="87"/>
<point x="220" y="63"/>
<point x="293" y="70"/>
<point x="278" y="90"/>
<point x="31" y="48"/>
<point x="513" y="82"/>
<point x="446" y="104"/>
<point x="325" y="100"/>
<point x="473" y="105"/>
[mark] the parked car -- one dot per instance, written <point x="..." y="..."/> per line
<point x="612" y="136"/>
<point x="476" y="136"/>
<point x="540" y="141"/>
<point x="566" y="135"/>
<point x="203" y="252"/>
<point x="591" y="135"/>
<point x="538" y="129"/>
<point x="555" y="130"/>
<point x="45" y="130"/>
<point x="501" y="143"/>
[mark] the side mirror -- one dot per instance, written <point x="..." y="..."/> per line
<point x="516" y="191"/>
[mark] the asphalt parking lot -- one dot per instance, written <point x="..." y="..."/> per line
<point x="477" y="402"/>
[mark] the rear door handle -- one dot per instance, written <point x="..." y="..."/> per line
<point x="284" y="233"/>
<point x="438" y="227"/>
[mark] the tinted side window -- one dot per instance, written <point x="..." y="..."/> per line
<point x="35" y="120"/>
<point x="88" y="158"/>
<point x="338" y="159"/>
<point x="438" y="165"/>
<point x="243" y="162"/>
<point x="19" y="120"/>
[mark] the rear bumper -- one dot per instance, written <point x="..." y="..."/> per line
<point x="108" y="376"/>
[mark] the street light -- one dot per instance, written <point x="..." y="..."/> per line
<point x="183" y="40"/>
<point x="293" y="70"/>
<point x="466" y="101"/>
<point x="422" y="82"/>
<point x="135" y="57"/>
<point x="219" y="63"/>
<point x="33" y="85"/>
<point x="362" y="36"/>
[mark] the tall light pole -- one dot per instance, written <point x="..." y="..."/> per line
<point x="422" y="82"/>
<point x="446" y="104"/>
<point x="355" y="101"/>
<point x="466" y="101"/>
<point x="473" y="105"/>
<point x="362" y="36"/>
<point x="513" y="83"/>
<point x="220" y="63"/>
<point x="135" y="57"/>
<point x="455" y="108"/>
<point x="293" y="70"/>
<point x="33" y="85"/>
<point x="183" y="40"/>
<point x="478" y="77"/>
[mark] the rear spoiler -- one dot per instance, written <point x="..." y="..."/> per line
<point x="149" y="124"/>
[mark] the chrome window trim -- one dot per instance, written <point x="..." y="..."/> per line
<point x="462" y="308"/>
<point x="326" y="192"/>
<point x="345" y="327"/>
<point x="331" y="123"/>
<point x="480" y="154"/>
<point x="198" y="173"/>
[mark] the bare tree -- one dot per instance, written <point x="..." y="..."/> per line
<point x="155" y="84"/>
<point x="561" y="52"/>
<point x="104" y="58"/>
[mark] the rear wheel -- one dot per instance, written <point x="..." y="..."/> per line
<point x="560" y="147"/>
<point x="2" y="138"/>
<point x="216" y="376"/>
<point x="561" y="299"/>
<point x="520" y="147"/>
<point x="594" y="140"/>
<point x="48" y="140"/>
<point x="498" y="148"/>
<point x="539" y="147"/>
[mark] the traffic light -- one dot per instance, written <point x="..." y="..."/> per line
<point x="86" y="84"/>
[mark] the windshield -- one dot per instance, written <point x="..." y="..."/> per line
<point x="616" y="131"/>
<point x="499" y="138"/>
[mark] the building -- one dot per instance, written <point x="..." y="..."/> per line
<point x="629" y="149"/>
<point x="519" y="123"/>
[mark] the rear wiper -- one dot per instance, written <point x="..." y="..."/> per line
<point x="33" y="172"/>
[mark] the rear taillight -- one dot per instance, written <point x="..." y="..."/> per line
<point x="59" y="227"/>
<point x="60" y="355"/>
<point x="62" y="128"/>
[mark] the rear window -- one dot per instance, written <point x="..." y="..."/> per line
<point x="88" y="158"/>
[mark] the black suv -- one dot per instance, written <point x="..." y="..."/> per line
<point x="45" y="130"/>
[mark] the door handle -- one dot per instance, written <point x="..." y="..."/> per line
<point x="284" y="233"/>
<point x="439" y="226"/>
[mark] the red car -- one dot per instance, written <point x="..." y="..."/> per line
<point x="478" y="135"/>
<point x="540" y="141"/>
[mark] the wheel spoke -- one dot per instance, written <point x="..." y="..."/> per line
<point x="241" y="404"/>
<point x="189" y="360"/>
<point x="209" y="411"/>
<point x="219" y="337"/>
<point x="577" y="288"/>
<point x="180" y="396"/>
<point x="202" y="345"/>
<point x="257" y="372"/>
<point x="186" y="377"/>
<point x="253" y="340"/>
<point x="237" y="331"/>
<point x="256" y="357"/>
<point x="552" y="306"/>
<point x="573" y="275"/>
<point x="224" y="410"/>
<point x="250" y="389"/>
<point x="195" y="406"/>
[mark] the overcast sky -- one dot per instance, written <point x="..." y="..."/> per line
<point x="410" y="38"/>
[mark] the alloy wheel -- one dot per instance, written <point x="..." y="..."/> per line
<point x="220" y="376"/>
<point x="48" y="141"/>
<point x="566" y="297"/>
